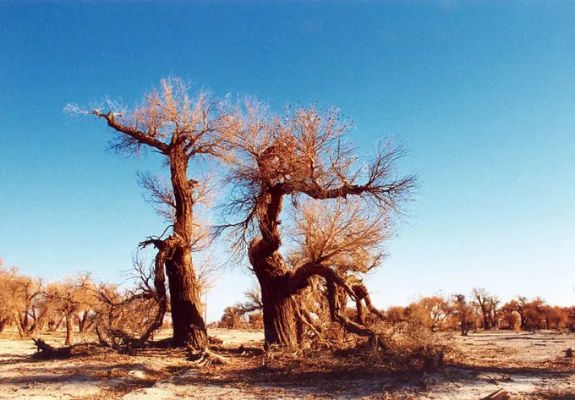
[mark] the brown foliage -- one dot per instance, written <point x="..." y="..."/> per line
<point x="70" y="297"/>
<point x="433" y="312"/>
<point x="244" y="315"/>
<point x="21" y="301"/>
<point x="536" y="314"/>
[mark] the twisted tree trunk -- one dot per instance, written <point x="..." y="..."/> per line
<point x="279" y="305"/>
<point x="188" y="325"/>
<point x="174" y="259"/>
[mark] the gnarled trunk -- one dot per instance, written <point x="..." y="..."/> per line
<point x="279" y="303"/>
<point x="279" y="312"/>
<point x="188" y="325"/>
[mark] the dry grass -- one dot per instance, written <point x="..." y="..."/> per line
<point x="529" y="366"/>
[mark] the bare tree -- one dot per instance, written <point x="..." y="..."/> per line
<point x="464" y="312"/>
<point x="123" y="318"/>
<point x="150" y="291"/>
<point x="181" y="129"/>
<point x="301" y="154"/>
<point x="132" y="316"/>
<point x="488" y="305"/>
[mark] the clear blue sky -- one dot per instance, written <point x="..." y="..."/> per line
<point x="481" y="94"/>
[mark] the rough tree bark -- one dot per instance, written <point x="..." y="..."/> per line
<point x="279" y="304"/>
<point x="279" y="307"/>
<point x="69" y="331"/>
<point x="189" y="326"/>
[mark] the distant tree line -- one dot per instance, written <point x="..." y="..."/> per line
<point x="78" y="305"/>
<point x="479" y="311"/>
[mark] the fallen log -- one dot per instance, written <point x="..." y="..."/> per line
<point x="46" y="351"/>
<point x="499" y="394"/>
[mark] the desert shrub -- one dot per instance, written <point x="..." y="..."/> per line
<point x="233" y="318"/>
<point x="395" y="314"/>
<point x="412" y="344"/>
<point x="404" y="342"/>
<point x="402" y="347"/>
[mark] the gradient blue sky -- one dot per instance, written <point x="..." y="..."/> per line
<point x="481" y="94"/>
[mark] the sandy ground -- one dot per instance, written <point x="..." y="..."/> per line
<point x="528" y="366"/>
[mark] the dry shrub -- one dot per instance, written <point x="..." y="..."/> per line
<point x="403" y="343"/>
<point x="332" y="337"/>
<point x="410" y="344"/>
<point x="400" y="350"/>
<point x="122" y="317"/>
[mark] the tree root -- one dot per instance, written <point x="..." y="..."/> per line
<point x="206" y="358"/>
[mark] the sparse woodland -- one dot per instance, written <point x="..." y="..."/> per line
<point x="119" y="318"/>
<point x="298" y="206"/>
<point x="296" y="200"/>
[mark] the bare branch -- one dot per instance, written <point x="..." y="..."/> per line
<point x="133" y="137"/>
